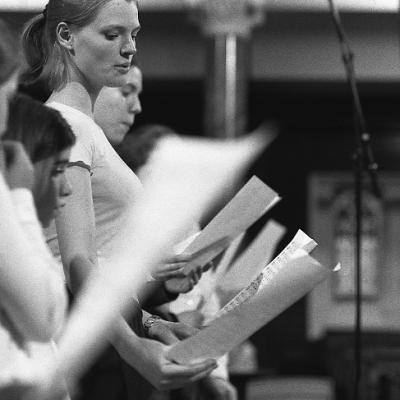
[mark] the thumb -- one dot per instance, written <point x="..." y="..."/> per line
<point x="184" y="331"/>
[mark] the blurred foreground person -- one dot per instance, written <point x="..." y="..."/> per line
<point x="198" y="306"/>
<point x="47" y="139"/>
<point x="32" y="295"/>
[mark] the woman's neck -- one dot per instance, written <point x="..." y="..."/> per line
<point x="75" y="95"/>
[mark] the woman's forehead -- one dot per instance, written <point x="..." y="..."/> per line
<point x="119" y="14"/>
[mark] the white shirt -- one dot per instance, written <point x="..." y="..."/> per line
<point x="114" y="186"/>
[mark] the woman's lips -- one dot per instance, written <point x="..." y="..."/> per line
<point x="123" y="67"/>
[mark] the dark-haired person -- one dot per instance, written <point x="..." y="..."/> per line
<point x="115" y="111"/>
<point x="78" y="47"/>
<point x="32" y="294"/>
<point x="47" y="139"/>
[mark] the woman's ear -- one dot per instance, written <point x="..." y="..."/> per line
<point x="64" y="36"/>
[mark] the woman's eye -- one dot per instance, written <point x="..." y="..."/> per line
<point x="125" y="92"/>
<point x="111" y="36"/>
<point x="58" y="171"/>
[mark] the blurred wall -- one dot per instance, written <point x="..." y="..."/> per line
<point x="289" y="46"/>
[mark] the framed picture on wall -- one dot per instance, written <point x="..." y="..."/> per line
<point x="331" y="222"/>
<point x="344" y="242"/>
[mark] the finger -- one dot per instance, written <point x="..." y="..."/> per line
<point x="169" y="275"/>
<point x="196" y="275"/>
<point x="201" y="375"/>
<point x="189" y="286"/>
<point x="169" y="384"/>
<point x="188" y="371"/>
<point x="178" y="258"/>
<point x="167" y="267"/>
<point x="167" y="337"/>
<point x="162" y="272"/>
<point x="174" y="380"/>
<point x="195" y="278"/>
<point x="184" y="331"/>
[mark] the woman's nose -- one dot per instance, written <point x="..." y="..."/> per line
<point x="135" y="106"/>
<point x="129" y="48"/>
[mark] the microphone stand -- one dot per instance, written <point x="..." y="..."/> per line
<point x="363" y="162"/>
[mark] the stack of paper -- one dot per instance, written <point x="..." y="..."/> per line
<point x="286" y="279"/>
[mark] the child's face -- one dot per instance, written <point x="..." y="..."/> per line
<point x="51" y="186"/>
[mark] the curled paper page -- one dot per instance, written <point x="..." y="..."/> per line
<point x="188" y="175"/>
<point x="289" y="277"/>
<point x="252" y="201"/>
<point x="300" y="242"/>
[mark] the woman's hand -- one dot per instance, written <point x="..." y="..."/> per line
<point x="148" y="357"/>
<point x="184" y="284"/>
<point x="168" y="332"/>
<point x="172" y="267"/>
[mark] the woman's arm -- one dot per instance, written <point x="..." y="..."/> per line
<point x="149" y="358"/>
<point x="76" y="229"/>
<point x="75" y="225"/>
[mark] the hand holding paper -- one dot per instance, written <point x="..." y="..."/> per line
<point x="287" y="278"/>
<point x="252" y="201"/>
<point x="188" y="176"/>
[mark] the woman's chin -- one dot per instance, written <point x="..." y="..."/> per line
<point x="117" y="80"/>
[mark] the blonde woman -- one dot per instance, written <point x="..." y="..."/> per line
<point x="78" y="47"/>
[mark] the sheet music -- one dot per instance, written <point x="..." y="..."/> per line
<point x="300" y="241"/>
<point x="289" y="277"/>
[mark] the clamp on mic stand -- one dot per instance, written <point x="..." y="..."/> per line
<point x="363" y="162"/>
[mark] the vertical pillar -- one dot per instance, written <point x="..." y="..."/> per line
<point x="227" y="25"/>
<point x="226" y="81"/>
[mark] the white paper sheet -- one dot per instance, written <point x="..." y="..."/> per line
<point x="300" y="242"/>
<point x="188" y="175"/>
<point x="286" y="279"/>
<point x="251" y="262"/>
<point x="227" y="258"/>
<point x="252" y="201"/>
